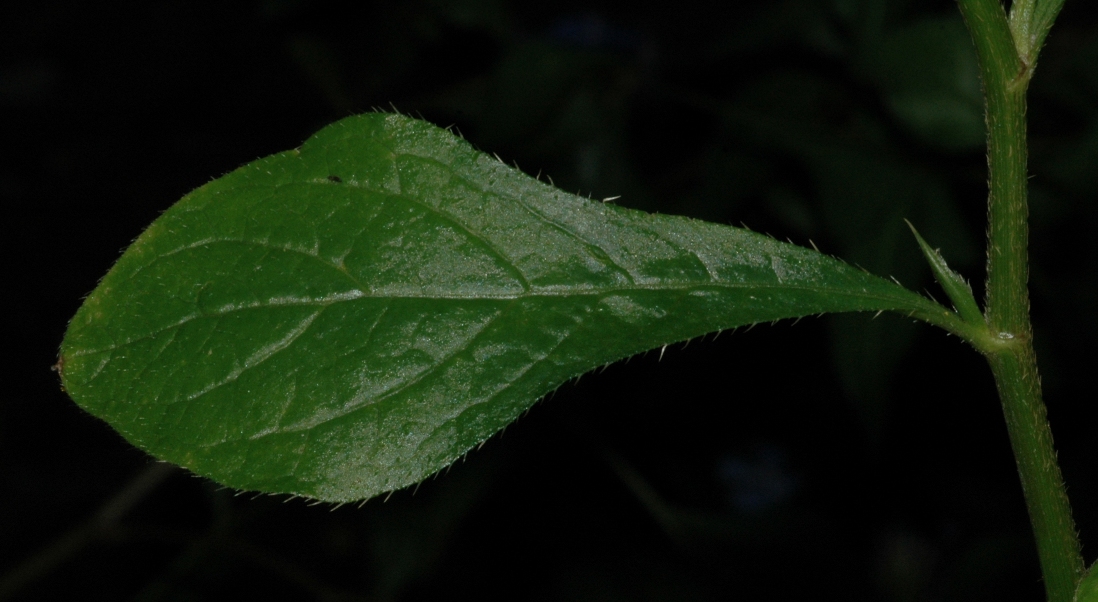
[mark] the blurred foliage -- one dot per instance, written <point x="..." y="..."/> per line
<point x="882" y="462"/>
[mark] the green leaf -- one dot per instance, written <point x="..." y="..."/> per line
<point x="954" y="285"/>
<point x="1088" y="587"/>
<point x="349" y="317"/>
<point x="1030" y="22"/>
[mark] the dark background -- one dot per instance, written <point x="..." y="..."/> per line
<point x="857" y="457"/>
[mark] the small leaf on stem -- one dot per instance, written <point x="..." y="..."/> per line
<point x="955" y="286"/>
<point x="1088" y="587"/>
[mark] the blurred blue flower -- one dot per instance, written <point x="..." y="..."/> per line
<point x="758" y="480"/>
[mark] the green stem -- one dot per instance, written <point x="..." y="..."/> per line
<point x="1006" y="73"/>
<point x="1058" y="546"/>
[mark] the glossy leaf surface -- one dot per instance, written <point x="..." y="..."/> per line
<point x="349" y="317"/>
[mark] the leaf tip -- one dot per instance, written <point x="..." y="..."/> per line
<point x="954" y="285"/>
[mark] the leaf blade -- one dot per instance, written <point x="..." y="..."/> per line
<point x="347" y="318"/>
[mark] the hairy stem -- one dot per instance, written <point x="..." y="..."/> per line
<point x="1058" y="546"/>
<point x="1006" y="67"/>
